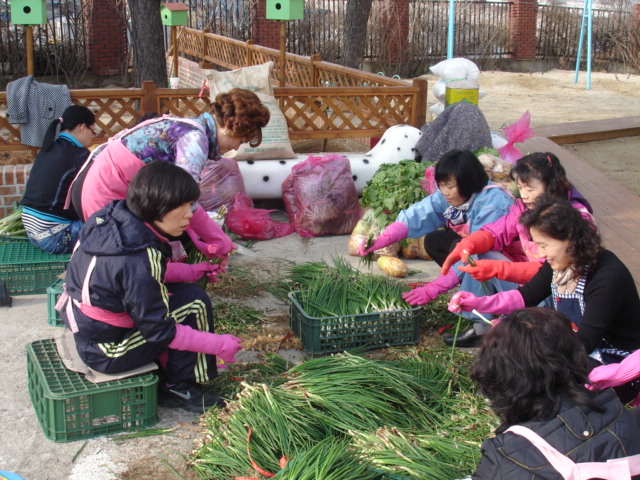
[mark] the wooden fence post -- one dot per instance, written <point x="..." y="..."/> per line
<point x="149" y="98"/>
<point x="315" y="74"/>
<point x="419" y="114"/>
<point x="248" y="56"/>
<point x="204" y="43"/>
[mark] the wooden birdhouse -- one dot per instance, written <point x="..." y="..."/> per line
<point x="174" y="14"/>
<point x="28" y="12"/>
<point x="285" y="9"/>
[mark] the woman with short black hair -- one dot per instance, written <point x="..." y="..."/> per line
<point x="465" y="168"/>
<point x="533" y="371"/>
<point x="128" y="305"/>
<point x="465" y="201"/>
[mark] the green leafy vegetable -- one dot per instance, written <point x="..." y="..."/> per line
<point x="394" y="187"/>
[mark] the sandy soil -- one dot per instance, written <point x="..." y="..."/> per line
<point x="553" y="97"/>
<point x="550" y="98"/>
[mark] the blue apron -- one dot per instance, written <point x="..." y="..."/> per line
<point x="570" y="304"/>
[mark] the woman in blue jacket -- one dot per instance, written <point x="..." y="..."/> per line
<point x="465" y="201"/>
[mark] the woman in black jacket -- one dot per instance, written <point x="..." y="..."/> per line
<point x="533" y="370"/>
<point x="586" y="282"/>
<point x="48" y="224"/>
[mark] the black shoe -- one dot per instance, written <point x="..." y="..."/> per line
<point x="467" y="339"/>
<point x="190" y="396"/>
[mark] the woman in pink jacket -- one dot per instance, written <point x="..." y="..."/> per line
<point x="237" y="117"/>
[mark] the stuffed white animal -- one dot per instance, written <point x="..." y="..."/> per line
<point x="263" y="178"/>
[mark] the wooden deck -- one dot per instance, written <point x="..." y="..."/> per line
<point x="590" y="131"/>
<point x="616" y="208"/>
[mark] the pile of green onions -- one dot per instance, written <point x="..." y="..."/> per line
<point x="344" y="413"/>
<point x="341" y="290"/>
<point x="11" y="225"/>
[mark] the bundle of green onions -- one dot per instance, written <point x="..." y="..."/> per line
<point x="326" y="417"/>
<point x="11" y="225"/>
<point x="340" y="290"/>
<point x="330" y="459"/>
<point x="423" y="455"/>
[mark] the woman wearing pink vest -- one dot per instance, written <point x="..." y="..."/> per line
<point x="237" y="117"/>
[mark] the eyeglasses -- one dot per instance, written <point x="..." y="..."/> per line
<point x="93" y="132"/>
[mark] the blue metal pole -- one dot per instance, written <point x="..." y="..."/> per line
<point x="589" y="30"/>
<point x="579" y="53"/>
<point x="450" y="30"/>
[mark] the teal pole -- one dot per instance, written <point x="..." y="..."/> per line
<point x="450" y="30"/>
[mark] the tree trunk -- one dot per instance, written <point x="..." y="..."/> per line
<point x="355" y="32"/>
<point x="147" y="41"/>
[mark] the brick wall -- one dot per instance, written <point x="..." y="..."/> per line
<point x="189" y="72"/>
<point x="106" y="37"/>
<point x="265" y="32"/>
<point x="14" y="179"/>
<point x="523" y="29"/>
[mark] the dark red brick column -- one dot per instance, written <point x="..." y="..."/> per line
<point x="635" y="32"/>
<point x="106" y="36"/>
<point x="523" y="29"/>
<point x="265" y="32"/>
<point x="397" y="30"/>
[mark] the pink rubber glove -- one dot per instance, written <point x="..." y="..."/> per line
<point x="502" y="302"/>
<point x="191" y="340"/>
<point x="393" y="233"/>
<point x="184" y="272"/>
<point x="209" y="251"/>
<point x="423" y="295"/>
<point x="210" y="233"/>
<point x="616" y="374"/>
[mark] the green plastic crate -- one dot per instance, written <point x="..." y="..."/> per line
<point x="71" y="408"/>
<point x="324" y="335"/>
<point x="53" y="294"/>
<point x="26" y="269"/>
<point x="9" y="239"/>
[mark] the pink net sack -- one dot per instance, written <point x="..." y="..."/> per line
<point x="321" y="197"/>
<point x="220" y="181"/>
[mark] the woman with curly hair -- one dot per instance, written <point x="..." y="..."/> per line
<point x="586" y="282"/>
<point x="236" y="117"/>
<point x="533" y="371"/>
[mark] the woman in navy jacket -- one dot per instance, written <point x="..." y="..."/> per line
<point x="533" y="369"/>
<point x="128" y="305"/>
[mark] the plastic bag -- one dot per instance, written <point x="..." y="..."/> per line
<point x="220" y="181"/>
<point x="366" y="226"/>
<point x="255" y="223"/>
<point x="321" y="197"/>
<point x="456" y="69"/>
<point x="516" y="133"/>
<point x="428" y="183"/>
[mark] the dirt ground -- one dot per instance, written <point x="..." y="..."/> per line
<point x="550" y="97"/>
